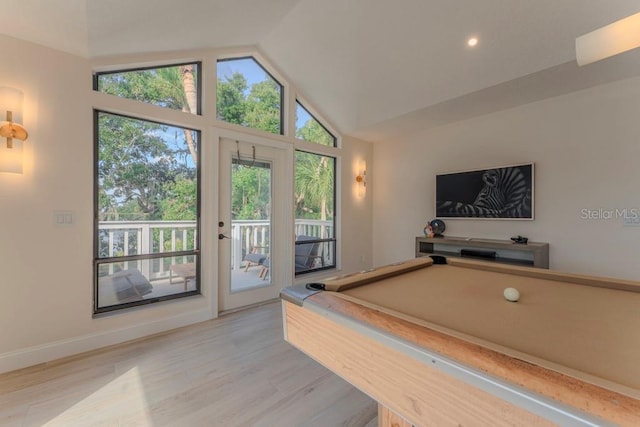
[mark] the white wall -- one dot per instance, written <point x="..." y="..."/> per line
<point x="357" y="213"/>
<point x="586" y="151"/>
<point x="46" y="270"/>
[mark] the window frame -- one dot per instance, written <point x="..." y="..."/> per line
<point x="97" y="260"/>
<point x="97" y="74"/>
<point x="332" y="240"/>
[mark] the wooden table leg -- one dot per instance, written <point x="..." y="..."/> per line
<point x="388" y="418"/>
<point x="186" y="271"/>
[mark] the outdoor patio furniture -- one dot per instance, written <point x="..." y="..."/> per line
<point x="265" y="268"/>
<point x="122" y="286"/>
<point x="256" y="257"/>
<point x="186" y="271"/>
<point x="307" y="256"/>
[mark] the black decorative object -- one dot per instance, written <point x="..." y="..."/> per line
<point x="438" y="227"/>
<point x="520" y="240"/>
<point x="499" y="193"/>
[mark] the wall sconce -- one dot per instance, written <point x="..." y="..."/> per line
<point x="615" y="38"/>
<point x="11" y="128"/>
<point x="361" y="179"/>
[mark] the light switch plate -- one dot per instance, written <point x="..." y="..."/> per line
<point x="63" y="218"/>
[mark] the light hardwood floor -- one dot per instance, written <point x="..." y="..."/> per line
<point x="233" y="371"/>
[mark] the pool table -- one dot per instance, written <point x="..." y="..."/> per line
<point x="435" y="343"/>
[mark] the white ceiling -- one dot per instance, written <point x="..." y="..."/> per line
<point x="375" y="68"/>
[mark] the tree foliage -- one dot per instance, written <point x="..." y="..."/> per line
<point x="133" y="166"/>
<point x="314" y="186"/>
<point x="231" y="102"/>
<point x="180" y="201"/>
<point x="315" y="175"/>
<point x="169" y="87"/>
<point x="264" y="107"/>
<point x="251" y="192"/>
<point x="313" y="131"/>
<point x="144" y="169"/>
<point x="257" y="107"/>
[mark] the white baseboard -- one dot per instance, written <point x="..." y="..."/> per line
<point x="35" y="355"/>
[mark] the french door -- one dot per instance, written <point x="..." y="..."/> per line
<point x="252" y="223"/>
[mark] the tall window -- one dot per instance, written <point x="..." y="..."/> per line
<point x="315" y="246"/>
<point x="308" y="128"/>
<point x="172" y="86"/>
<point x="146" y="198"/>
<point x="147" y="210"/>
<point x="249" y="96"/>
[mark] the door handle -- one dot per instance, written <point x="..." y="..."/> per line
<point x="222" y="236"/>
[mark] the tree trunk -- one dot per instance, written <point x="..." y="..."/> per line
<point x="191" y="97"/>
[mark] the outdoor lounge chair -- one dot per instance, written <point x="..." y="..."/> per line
<point x="265" y="269"/>
<point x="256" y="257"/>
<point x="306" y="257"/>
<point x="307" y="254"/>
<point x="122" y="286"/>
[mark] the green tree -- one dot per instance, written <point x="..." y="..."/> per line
<point x="231" y="101"/>
<point x="264" y="107"/>
<point x="251" y="192"/>
<point x="171" y="87"/>
<point x="136" y="161"/>
<point x="314" y="186"/>
<point x="257" y="107"/>
<point x="180" y="201"/>
<point x="133" y="166"/>
<point x="313" y="131"/>
<point x="314" y="175"/>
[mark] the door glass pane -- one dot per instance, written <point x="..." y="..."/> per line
<point x="250" y="224"/>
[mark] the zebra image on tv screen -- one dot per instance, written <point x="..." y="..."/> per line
<point x="505" y="192"/>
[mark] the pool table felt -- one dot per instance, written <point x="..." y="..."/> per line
<point x="586" y="331"/>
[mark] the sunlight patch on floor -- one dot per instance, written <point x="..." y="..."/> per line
<point x="123" y="395"/>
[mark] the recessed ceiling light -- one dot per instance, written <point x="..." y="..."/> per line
<point x="472" y="41"/>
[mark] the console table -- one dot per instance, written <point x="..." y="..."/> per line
<point x="533" y="254"/>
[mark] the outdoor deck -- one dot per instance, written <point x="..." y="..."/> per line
<point x="241" y="280"/>
<point x="123" y="281"/>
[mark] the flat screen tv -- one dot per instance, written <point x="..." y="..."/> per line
<point x="498" y="193"/>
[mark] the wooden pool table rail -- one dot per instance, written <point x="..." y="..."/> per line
<point x="537" y="273"/>
<point x="342" y="283"/>
<point x="600" y="402"/>
<point x="409" y="388"/>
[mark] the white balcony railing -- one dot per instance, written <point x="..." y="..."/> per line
<point x="123" y="238"/>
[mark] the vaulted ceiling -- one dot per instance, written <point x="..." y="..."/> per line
<point x="374" y="68"/>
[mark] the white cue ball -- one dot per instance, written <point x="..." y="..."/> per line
<point x="511" y="294"/>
